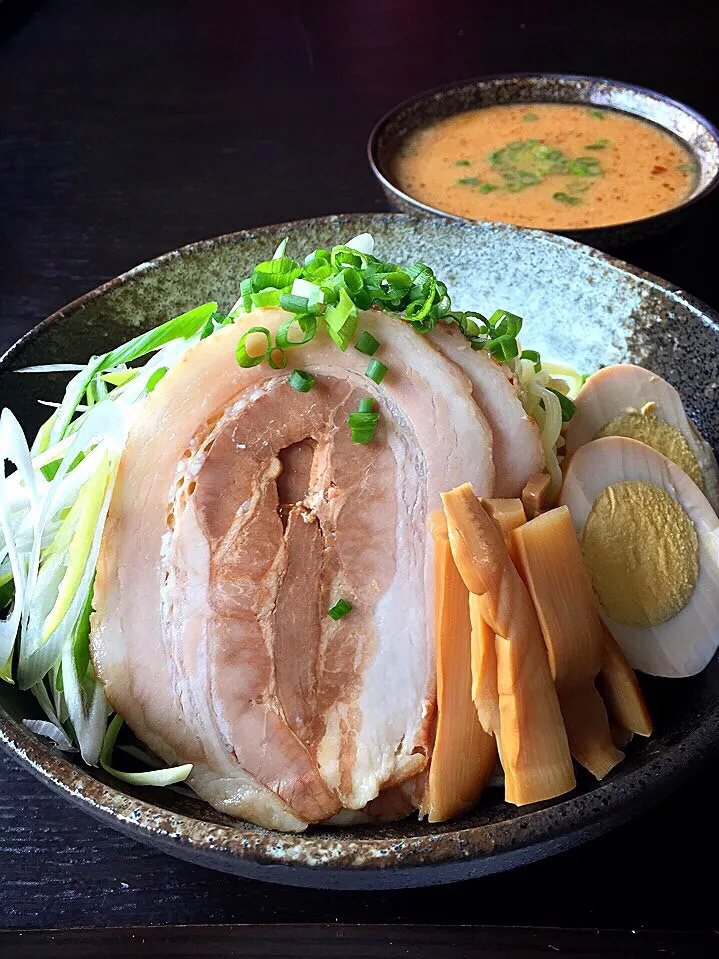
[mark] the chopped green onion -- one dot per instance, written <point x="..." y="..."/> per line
<point x="585" y="166"/>
<point x="686" y="168"/>
<point x="363" y="425"/>
<point x="341" y="320"/>
<point x="568" y="407"/>
<point x="463" y="163"/>
<point x="351" y="280"/>
<point x="530" y="117"/>
<point x="308" y="325"/>
<point x="598" y="114"/>
<point x="516" y="180"/>
<point x="567" y="198"/>
<point x="503" y="348"/>
<point x="469" y="181"/>
<point x="340" y="609"/>
<point x="376" y="371"/>
<point x="155" y="378"/>
<point x="347" y="256"/>
<point x="244" y="358"/>
<point x="366" y="405"/>
<point x="294" y="304"/>
<point x="276" y="274"/>
<point x="534" y="357"/>
<point x="504" y="323"/>
<point x="600" y="144"/>
<point x="276" y="358"/>
<point x="264" y="298"/>
<point x="487" y="188"/>
<point x="208" y="329"/>
<point x="301" y="381"/>
<point x="367" y="344"/>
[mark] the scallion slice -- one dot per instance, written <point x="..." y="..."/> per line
<point x="367" y="344"/>
<point x="340" y="609"/>
<point x="341" y="319"/>
<point x="363" y="425"/>
<point x="155" y="378"/>
<point x="294" y="304"/>
<point x="308" y="325"/>
<point x="376" y="371"/>
<point x="246" y="359"/>
<point x="533" y="357"/>
<point x="366" y="405"/>
<point x="301" y="381"/>
<point x="503" y="348"/>
<point x="276" y="274"/>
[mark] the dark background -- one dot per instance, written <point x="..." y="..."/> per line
<point x="127" y="129"/>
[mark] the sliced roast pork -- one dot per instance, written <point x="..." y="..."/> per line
<point x="242" y="512"/>
<point x="518" y="453"/>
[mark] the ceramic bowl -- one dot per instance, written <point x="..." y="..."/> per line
<point x="699" y="136"/>
<point x="579" y="305"/>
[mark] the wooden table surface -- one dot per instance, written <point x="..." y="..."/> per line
<point x="131" y="128"/>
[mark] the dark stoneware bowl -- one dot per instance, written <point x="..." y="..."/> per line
<point x="696" y="132"/>
<point x="579" y="305"/>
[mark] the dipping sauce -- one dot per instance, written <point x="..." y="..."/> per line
<point x="546" y="165"/>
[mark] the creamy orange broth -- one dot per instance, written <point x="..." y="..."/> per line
<point x="549" y="165"/>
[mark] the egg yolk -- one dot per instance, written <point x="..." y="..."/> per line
<point x="650" y="429"/>
<point x="642" y="552"/>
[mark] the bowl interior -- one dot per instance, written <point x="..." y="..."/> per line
<point x="701" y="138"/>
<point x="578" y="305"/>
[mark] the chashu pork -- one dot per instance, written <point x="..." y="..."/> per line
<point x="242" y="512"/>
<point x="517" y="446"/>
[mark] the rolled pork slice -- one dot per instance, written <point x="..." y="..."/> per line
<point x="517" y="445"/>
<point x="242" y="512"/>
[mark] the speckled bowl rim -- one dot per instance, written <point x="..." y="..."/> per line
<point x="578" y="233"/>
<point x="447" y="854"/>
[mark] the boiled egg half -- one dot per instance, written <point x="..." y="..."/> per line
<point x="630" y="401"/>
<point x="650" y="540"/>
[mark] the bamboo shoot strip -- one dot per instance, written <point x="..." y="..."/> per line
<point x="507" y="515"/>
<point x="464" y="755"/>
<point x="552" y="566"/>
<point x="484" y="669"/>
<point x="620" y="689"/>
<point x="535" y="753"/>
<point x="536" y="495"/>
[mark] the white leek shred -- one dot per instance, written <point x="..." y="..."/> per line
<point x="52" y="514"/>
<point x="363" y="243"/>
<point x="51" y="731"/>
<point x="280" y="251"/>
<point x="156" y="777"/>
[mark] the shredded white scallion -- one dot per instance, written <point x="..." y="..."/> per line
<point x="52" y="514"/>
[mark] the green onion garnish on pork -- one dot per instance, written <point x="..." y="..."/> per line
<point x="247" y="359"/>
<point x="363" y="425"/>
<point x="367" y="344"/>
<point x="376" y="371"/>
<point x="301" y="381"/>
<point x="336" y="284"/>
<point x="340" y="609"/>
